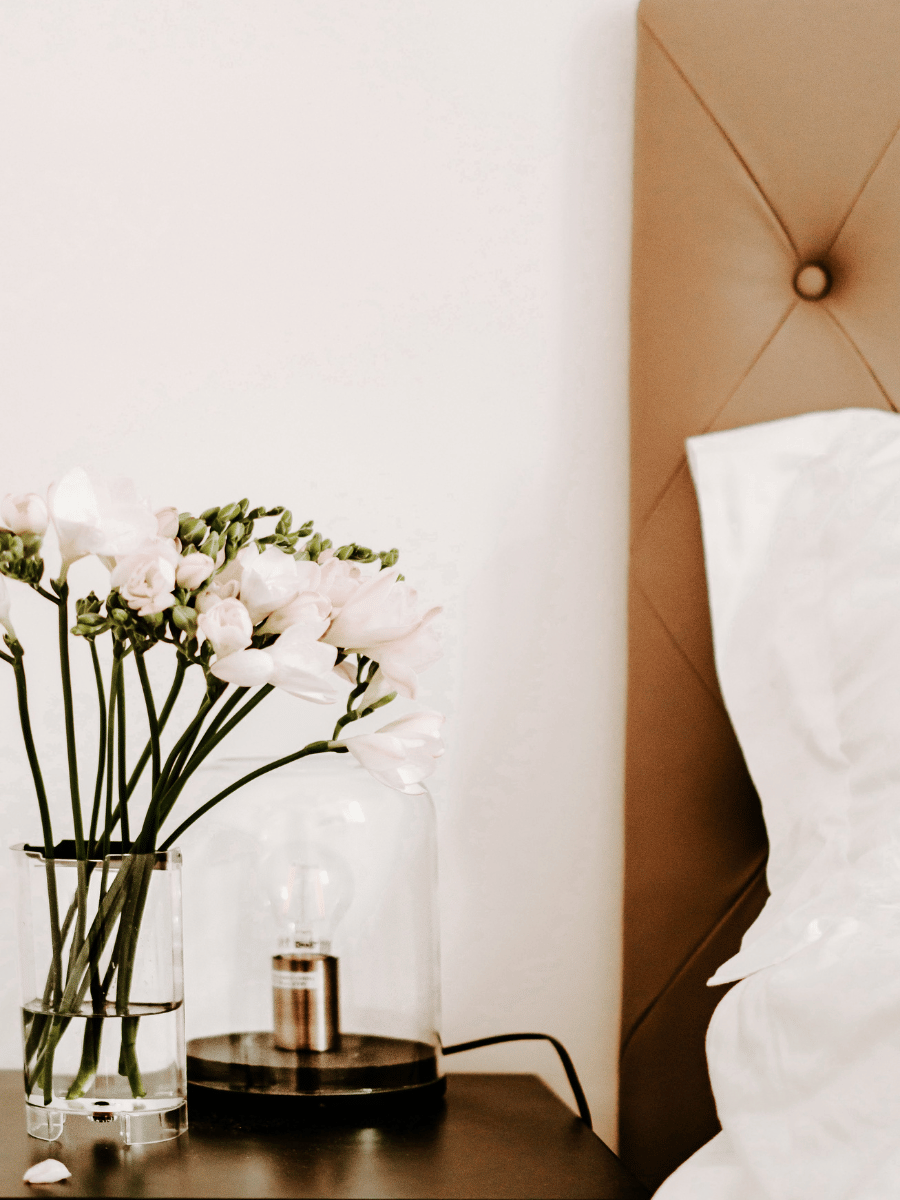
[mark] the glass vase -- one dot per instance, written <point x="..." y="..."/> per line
<point x="102" y="995"/>
<point x="312" y="935"/>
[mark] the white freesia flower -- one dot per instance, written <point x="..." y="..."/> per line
<point x="379" y="610"/>
<point x="193" y="569"/>
<point x="297" y="663"/>
<point x="401" y="661"/>
<point x="109" y="520"/>
<point x="167" y="522"/>
<point x="216" y="592"/>
<point x="51" y="1170"/>
<point x="5" y="607"/>
<point x="311" y="609"/>
<point x="339" y="579"/>
<point x="272" y="579"/>
<point x="24" y="512"/>
<point x="146" y="579"/>
<point x="228" y="626"/>
<point x="402" y="753"/>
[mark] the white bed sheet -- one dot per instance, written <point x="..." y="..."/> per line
<point x="801" y="528"/>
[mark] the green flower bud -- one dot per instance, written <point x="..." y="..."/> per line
<point x="229" y="513"/>
<point x="192" y="531"/>
<point x="209" y="514"/>
<point x="306" y="528"/>
<point x="284" y="525"/>
<point x="120" y="616"/>
<point x="91" y="603"/>
<point x="345" y="552"/>
<point x="185" y="619"/>
<point x="235" y="532"/>
<point x="212" y="545"/>
<point x="243" y="505"/>
<point x="90" y="619"/>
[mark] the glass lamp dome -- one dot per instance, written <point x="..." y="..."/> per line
<point x="311" y="951"/>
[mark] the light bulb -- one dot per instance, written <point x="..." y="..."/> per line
<point x="310" y="889"/>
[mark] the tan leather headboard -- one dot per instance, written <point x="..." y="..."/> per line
<point x="765" y="141"/>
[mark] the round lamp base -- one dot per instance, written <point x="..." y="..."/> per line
<point x="247" y="1078"/>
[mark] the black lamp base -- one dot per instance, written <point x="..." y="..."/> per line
<point x="244" y="1077"/>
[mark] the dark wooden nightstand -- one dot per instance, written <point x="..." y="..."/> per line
<point x="497" y="1136"/>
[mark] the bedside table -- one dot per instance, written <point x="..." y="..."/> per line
<point x="496" y="1136"/>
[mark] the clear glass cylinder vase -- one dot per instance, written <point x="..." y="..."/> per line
<point x="102" y="995"/>
<point x="311" y="932"/>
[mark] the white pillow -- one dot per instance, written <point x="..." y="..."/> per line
<point x="801" y="532"/>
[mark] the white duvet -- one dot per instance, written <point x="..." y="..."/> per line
<point x="801" y="530"/>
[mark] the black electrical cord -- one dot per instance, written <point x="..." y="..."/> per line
<point x="577" y="1090"/>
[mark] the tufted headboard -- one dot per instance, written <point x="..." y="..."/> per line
<point x="766" y="282"/>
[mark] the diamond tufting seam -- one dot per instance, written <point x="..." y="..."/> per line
<point x="713" y="694"/>
<point x="757" y="870"/>
<point x="712" y="420"/>
<point x="862" y="358"/>
<point x="720" y="127"/>
<point x="865" y="183"/>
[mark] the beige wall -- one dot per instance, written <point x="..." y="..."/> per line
<point x="368" y="259"/>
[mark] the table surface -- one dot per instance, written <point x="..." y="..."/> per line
<point x="496" y="1136"/>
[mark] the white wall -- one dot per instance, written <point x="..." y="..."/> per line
<point x="369" y="260"/>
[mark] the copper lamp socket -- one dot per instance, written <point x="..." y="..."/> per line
<point x="305" y="1001"/>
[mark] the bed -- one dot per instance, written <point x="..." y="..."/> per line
<point x="766" y="284"/>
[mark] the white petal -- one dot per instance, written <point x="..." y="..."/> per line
<point x="427" y="722"/>
<point x="48" y="1171"/>
<point x="246" y="668"/>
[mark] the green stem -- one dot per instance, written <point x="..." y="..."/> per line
<point x="101" y="753"/>
<point x="182" y="747"/>
<point x="210" y="742"/>
<point x="109" y="822"/>
<point x="312" y="748"/>
<point x="163" y="804"/>
<point x="180" y="670"/>
<point x="90" y="1057"/>
<point x="65" y="671"/>
<point x="44" y="809"/>
<point x="128" y="1063"/>
<point x="108" y="912"/>
<point x="123" y="778"/>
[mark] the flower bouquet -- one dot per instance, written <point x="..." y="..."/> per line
<point x="249" y="612"/>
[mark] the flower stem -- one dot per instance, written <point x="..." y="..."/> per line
<point x="44" y="809"/>
<point x="150" y="828"/>
<point x="180" y="670"/>
<point x="152" y="719"/>
<point x="312" y="748"/>
<point x="66" y="673"/>
<point x="121" y="750"/>
<point x="163" y="804"/>
<point x="101" y="753"/>
<point x="90" y="1057"/>
<point x="110" y="753"/>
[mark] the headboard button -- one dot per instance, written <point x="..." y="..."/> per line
<point x="812" y="281"/>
